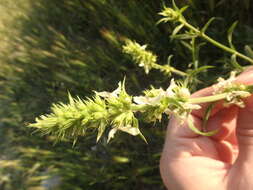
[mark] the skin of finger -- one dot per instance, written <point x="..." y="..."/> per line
<point x="247" y="70"/>
<point x="176" y="129"/>
<point x="225" y="151"/>
<point x="245" y="124"/>
<point x="183" y="142"/>
<point x="179" y="132"/>
<point x="225" y="121"/>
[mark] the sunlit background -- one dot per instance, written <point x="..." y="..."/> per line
<point x="51" y="47"/>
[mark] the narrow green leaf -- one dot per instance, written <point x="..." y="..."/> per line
<point x="248" y="51"/>
<point x="235" y="63"/>
<point x="71" y="100"/>
<point x="187" y="45"/>
<point x="199" y="70"/>
<point x="183" y="36"/>
<point x="183" y="9"/>
<point x="174" y="5"/>
<point x="143" y="138"/>
<point x="192" y="74"/>
<point x="194" y="129"/>
<point x="177" y="29"/>
<point x="101" y="130"/>
<point x="169" y="59"/>
<point x="203" y="30"/>
<point x="230" y="34"/>
<point x="206" y="116"/>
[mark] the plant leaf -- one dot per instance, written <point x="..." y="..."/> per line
<point x="177" y="29"/>
<point x="183" y="9"/>
<point x="248" y="51"/>
<point x="230" y="34"/>
<point x="207" y="115"/>
<point x="187" y="45"/>
<point x="203" y="30"/>
<point x="174" y="5"/>
<point x="101" y="130"/>
<point x="194" y="129"/>
<point x="169" y="59"/>
<point x="183" y="36"/>
<point x="199" y="70"/>
<point x="235" y="63"/>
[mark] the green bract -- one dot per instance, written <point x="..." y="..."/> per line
<point x="140" y="55"/>
<point x="80" y="116"/>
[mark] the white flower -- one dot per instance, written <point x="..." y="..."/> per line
<point x="224" y="84"/>
<point x="144" y="100"/>
<point x="175" y="90"/>
<point x="177" y="97"/>
<point x="235" y="97"/>
<point x="235" y="92"/>
<point x="153" y="97"/>
<point x="170" y="90"/>
<point x="184" y="92"/>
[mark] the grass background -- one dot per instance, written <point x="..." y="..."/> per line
<point x="50" y="47"/>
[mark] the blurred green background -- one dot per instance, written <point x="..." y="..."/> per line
<point x="50" y="47"/>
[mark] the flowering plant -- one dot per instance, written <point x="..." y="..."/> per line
<point x="118" y="110"/>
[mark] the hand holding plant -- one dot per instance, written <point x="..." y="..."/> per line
<point x="221" y="162"/>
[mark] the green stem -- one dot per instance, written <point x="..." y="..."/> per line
<point x="136" y="108"/>
<point x="168" y="69"/>
<point x="214" y="42"/>
<point x="207" y="99"/>
<point x="178" y="72"/>
<point x="213" y="98"/>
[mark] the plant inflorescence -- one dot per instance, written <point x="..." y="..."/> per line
<point x="118" y="111"/>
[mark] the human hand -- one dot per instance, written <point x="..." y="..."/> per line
<point x="221" y="162"/>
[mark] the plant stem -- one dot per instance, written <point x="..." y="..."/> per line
<point x="207" y="99"/>
<point x="168" y="69"/>
<point x="216" y="97"/>
<point x="214" y="42"/>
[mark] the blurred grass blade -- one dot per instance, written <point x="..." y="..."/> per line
<point x="199" y="70"/>
<point x="203" y="30"/>
<point x="230" y="34"/>
<point x="177" y="29"/>
<point x="248" y="51"/>
<point x="169" y="59"/>
<point x="174" y="5"/>
<point x="183" y="9"/>
<point x="183" y="36"/>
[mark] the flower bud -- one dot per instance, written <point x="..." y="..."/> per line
<point x="169" y="15"/>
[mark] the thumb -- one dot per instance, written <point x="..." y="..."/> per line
<point x="244" y="131"/>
